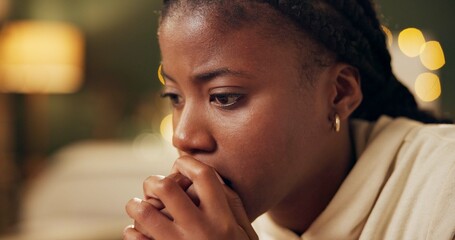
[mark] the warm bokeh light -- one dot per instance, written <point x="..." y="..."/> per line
<point x="41" y="57"/>
<point x="388" y="34"/>
<point x="428" y="87"/>
<point x="160" y="76"/>
<point x="166" y="128"/>
<point x="4" y="9"/>
<point x="410" y="41"/>
<point x="432" y="55"/>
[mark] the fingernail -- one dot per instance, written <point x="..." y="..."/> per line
<point x="159" y="176"/>
<point x="137" y="200"/>
<point x="128" y="227"/>
<point x="219" y="178"/>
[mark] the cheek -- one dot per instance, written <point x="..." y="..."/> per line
<point x="256" y="135"/>
<point x="256" y="152"/>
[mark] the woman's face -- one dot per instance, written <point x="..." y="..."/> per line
<point x="241" y="108"/>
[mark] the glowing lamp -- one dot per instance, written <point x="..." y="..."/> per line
<point x="41" y="57"/>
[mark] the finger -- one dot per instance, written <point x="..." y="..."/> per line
<point x="153" y="223"/>
<point x="177" y="202"/>
<point x="207" y="185"/>
<point x="181" y="180"/>
<point x="187" y="185"/>
<point x="140" y="229"/>
<point x="150" y="199"/>
<point x="192" y="194"/>
<point x="129" y="233"/>
<point x="163" y="210"/>
<point x="237" y="208"/>
<point x="156" y="203"/>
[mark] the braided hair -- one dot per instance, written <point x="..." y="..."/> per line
<point x="351" y="30"/>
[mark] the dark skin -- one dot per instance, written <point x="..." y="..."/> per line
<point x="240" y="111"/>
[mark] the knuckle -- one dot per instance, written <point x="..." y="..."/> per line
<point x="142" y="213"/>
<point x="226" y="229"/>
<point x="165" y="186"/>
<point x="203" y="171"/>
<point x="138" y="210"/>
<point x="147" y="182"/>
<point x="180" y="161"/>
<point x="150" y="181"/>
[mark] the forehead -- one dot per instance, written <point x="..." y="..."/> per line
<point x="212" y="25"/>
<point x="190" y="38"/>
<point x="232" y="11"/>
<point x="187" y="27"/>
<point x="196" y="41"/>
<point x="232" y="15"/>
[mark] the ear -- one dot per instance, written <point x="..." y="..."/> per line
<point x="347" y="93"/>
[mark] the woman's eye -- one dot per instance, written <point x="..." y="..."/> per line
<point x="225" y="100"/>
<point x="174" y="98"/>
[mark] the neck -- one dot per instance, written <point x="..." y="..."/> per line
<point x="301" y="208"/>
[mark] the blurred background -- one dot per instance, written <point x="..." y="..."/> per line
<point x="81" y="121"/>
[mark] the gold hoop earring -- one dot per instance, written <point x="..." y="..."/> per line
<point x="337" y="123"/>
<point x="160" y="75"/>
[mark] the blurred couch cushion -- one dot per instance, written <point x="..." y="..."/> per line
<point x="83" y="193"/>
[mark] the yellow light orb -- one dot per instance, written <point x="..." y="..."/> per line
<point x="428" y="87"/>
<point x="432" y="55"/>
<point x="41" y="57"/>
<point x="160" y="75"/>
<point x="166" y="128"/>
<point x="410" y="41"/>
<point x="388" y="34"/>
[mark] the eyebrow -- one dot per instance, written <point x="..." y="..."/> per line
<point x="210" y="75"/>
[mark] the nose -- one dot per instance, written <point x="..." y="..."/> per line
<point x="192" y="134"/>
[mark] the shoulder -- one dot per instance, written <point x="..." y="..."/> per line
<point x="431" y="142"/>
<point x="429" y="153"/>
<point x="418" y="195"/>
<point x="433" y="134"/>
<point x="422" y="153"/>
<point x="403" y="133"/>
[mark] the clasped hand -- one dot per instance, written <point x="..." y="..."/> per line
<point x="192" y="203"/>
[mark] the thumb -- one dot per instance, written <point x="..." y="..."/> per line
<point x="236" y="205"/>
